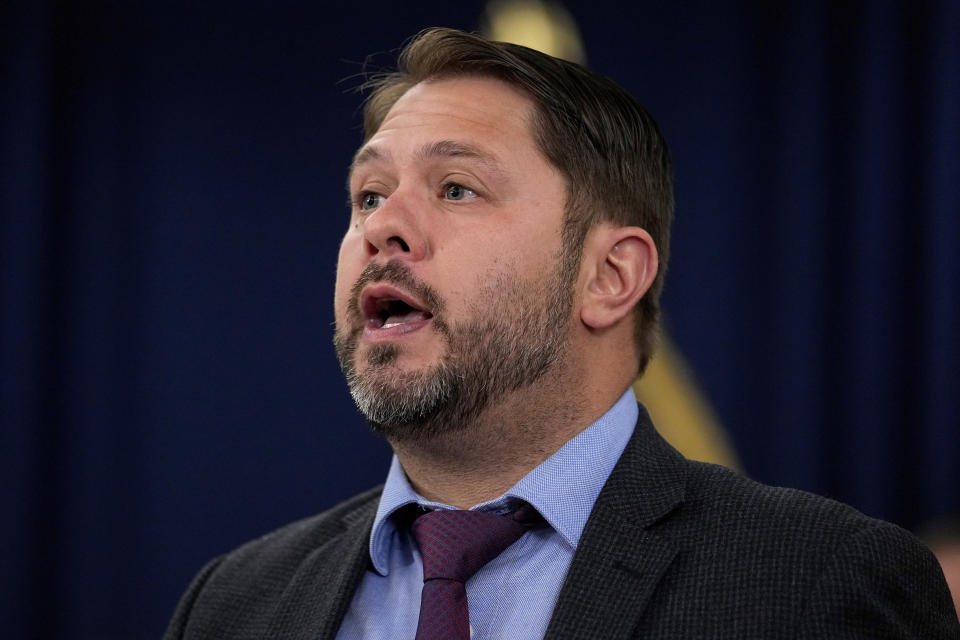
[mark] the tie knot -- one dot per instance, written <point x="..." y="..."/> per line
<point x="455" y="544"/>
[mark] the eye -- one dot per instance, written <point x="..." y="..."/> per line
<point x="456" y="192"/>
<point x="369" y="200"/>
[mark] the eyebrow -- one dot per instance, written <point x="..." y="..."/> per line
<point x="433" y="150"/>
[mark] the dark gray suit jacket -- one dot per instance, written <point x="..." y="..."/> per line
<point x="673" y="549"/>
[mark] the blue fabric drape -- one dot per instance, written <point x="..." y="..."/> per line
<point x="172" y="201"/>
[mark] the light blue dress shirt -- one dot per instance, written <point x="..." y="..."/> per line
<point x="513" y="596"/>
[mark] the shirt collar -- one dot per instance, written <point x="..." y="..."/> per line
<point x="562" y="488"/>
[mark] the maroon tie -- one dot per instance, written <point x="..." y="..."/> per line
<point x="454" y="546"/>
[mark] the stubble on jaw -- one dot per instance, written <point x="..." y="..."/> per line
<point x="515" y="334"/>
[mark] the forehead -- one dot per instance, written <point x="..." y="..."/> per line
<point x="479" y="113"/>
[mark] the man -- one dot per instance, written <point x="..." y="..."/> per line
<point x="497" y="293"/>
<point x="942" y="535"/>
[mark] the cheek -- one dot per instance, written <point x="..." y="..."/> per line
<point x="349" y="267"/>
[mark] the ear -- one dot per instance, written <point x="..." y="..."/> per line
<point x="620" y="264"/>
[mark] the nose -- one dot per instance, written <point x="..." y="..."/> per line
<point x="394" y="230"/>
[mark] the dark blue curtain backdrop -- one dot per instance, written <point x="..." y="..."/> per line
<point x="172" y="180"/>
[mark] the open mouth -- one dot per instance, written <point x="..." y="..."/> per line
<point x="387" y="308"/>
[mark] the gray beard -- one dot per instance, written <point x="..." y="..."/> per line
<point x="518" y="334"/>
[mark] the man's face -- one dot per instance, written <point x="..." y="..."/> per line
<point x="451" y="287"/>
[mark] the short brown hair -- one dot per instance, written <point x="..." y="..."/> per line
<point x="608" y="148"/>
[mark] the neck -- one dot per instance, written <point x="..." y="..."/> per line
<point x="480" y="461"/>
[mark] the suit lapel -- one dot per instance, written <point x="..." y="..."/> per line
<point x="314" y="603"/>
<point x="619" y="562"/>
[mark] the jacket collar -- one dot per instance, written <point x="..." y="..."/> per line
<point x="323" y="586"/>
<point x="617" y="565"/>
<point x="619" y="562"/>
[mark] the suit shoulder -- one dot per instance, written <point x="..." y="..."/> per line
<point x="751" y="524"/>
<point x="780" y="558"/>
<point x="718" y="492"/>
<point x="235" y="596"/>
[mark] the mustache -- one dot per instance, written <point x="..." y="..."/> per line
<point x="399" y="274"/>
